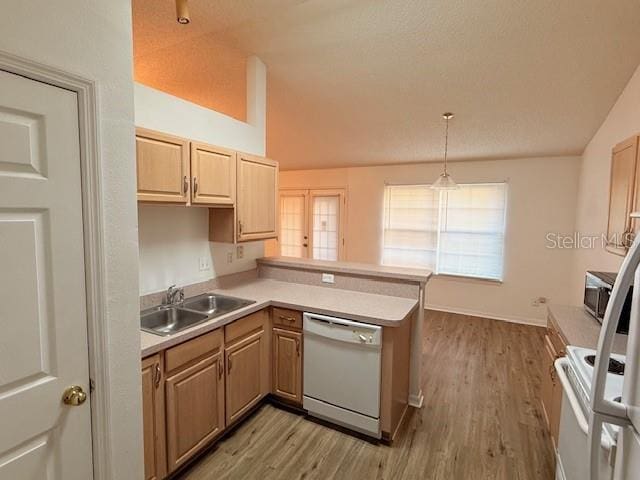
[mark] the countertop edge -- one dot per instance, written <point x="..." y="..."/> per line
<point x="361" y="269"/>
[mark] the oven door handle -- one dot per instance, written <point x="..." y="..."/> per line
<point x="561" y="365"/>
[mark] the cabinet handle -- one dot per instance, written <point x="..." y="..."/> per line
<point x="158" y="375"/>
<point x="298" y="346"/>
<point x="229" y="365"/>
<point x="185" y="185"/>
<point x="239" y="227"/>
<point x="220" y="369"/>
<point x="287" y="319"/>
<point x="195" y="185"/>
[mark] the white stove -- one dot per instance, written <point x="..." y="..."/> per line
<point x="581" y="374"/>
<point x="576" y="375"/>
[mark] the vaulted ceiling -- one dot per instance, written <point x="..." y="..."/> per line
<point x="359" y="82"/>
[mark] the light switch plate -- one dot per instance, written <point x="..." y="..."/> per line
<point x="328" y="278"/>
<point x="229" y="257"/>
<point x="240" y="251"/>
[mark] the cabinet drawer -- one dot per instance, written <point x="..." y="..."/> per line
<point x="241" y="328"/>
<point x="191" y="350"/>
<point x="287" y="318"/>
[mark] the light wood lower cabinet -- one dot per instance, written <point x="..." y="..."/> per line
<point x="244" y="375"/>
<point x="287" y="364"/>
<point x="195" y="408"/>
<point x="551" y="389"/>
<point x="155" y="465"/>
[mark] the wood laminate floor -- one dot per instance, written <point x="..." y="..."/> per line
<point x="481" y="420"/>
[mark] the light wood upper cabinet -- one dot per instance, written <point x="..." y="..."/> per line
<point x="213" y="175"/>
<point x="287" y="364"/>
<point x="257" y="197"/>
<point x="162" y="167"/>
<point x="155" y="465"/>
<point x="624" y="195"/>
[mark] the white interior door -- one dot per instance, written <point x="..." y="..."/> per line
<point x="43" y="327"/>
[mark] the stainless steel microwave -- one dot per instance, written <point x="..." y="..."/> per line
<point x="597" y="291"/>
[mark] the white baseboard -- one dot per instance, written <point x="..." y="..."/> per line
<point x="537" y="322"/>
<point x="416" y="401"/>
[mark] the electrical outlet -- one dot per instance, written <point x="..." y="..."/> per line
<point x="230" y="257"/>
<point x="204" y="264"/>
<point x="328" y="278"/>
<point x="539" y="301"/>
<point x="240" y="251"/>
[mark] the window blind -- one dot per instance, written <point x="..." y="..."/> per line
<point x="456" y="232"/>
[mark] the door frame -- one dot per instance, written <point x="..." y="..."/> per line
<point x="92" y="220"/>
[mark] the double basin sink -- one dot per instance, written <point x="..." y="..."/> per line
<point x="168" y="319"/>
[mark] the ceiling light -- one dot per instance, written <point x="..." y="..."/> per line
<point x="444" y="181"/>
<point x="182" y="12"/>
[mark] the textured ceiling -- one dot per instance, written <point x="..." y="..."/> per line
<point x="356" y="82"/>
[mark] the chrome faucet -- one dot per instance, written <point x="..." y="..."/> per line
<point x="173" y="293"/>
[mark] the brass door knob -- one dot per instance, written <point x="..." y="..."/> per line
<point x="74" y="395"/>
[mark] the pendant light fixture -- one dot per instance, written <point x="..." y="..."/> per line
<point x="182" y="12"/>
<point x="444" y="181"/>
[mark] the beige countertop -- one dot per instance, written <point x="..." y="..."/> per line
<point x="579" y="328"/>
<point x="420" y="275"/>
<point x="370" y="308"/>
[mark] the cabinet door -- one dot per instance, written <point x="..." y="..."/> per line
<point x="155" y="465"/>
<point x="244" y="375"/>
<point x="551" y="391"/>
<point x="213" y="175"/>
<point x="621" y="195"/>
<point x="195" y="408"/>
<point x="257" y="197"/>
<point x="287" y="364"/>
<point x="162" y="167"/>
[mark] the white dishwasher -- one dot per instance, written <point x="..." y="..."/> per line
<point x="342" y="363"/>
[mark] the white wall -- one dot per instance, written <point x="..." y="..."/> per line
<point x="542" y="195"/>
<point x="173" y="239"/>
<point x="622" y="122"/>
<point x="92" y="38"/>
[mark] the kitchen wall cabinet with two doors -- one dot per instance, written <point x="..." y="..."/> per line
<point x="241" y="190"/>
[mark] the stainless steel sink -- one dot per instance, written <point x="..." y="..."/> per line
<point x="215" y="305"/>
<point x="166" y="320"/>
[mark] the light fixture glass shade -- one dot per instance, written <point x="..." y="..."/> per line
<point x="444" y="182"/>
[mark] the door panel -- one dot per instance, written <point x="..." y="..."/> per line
<point x="312" y="224"/>
<point x="293" y="238"/>
<point x="257" y="197"/>
<point x="244" y="375"/>
<point x="162" y="167"/>
<point x="43" y="346"/>
<point x="623" y="168"/>
<point x="213" y="172"/>
<point x="287" y="364"/>
<point x="155" y="462"/>
<point x="195" y="409"/>
<point x="326" y="224"/>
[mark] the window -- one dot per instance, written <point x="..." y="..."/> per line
<point x="455" y="232"/>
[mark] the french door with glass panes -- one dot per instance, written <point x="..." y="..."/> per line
<point x="312" y="223"/>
